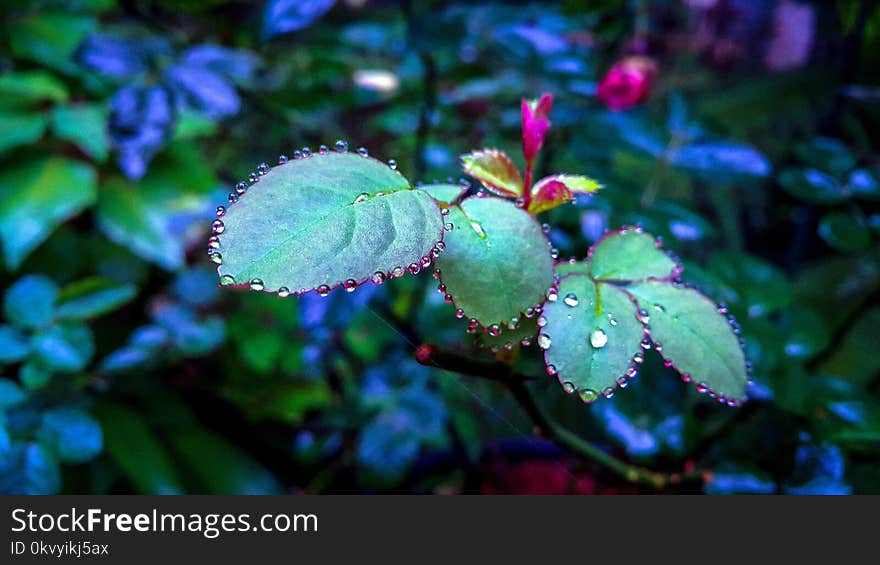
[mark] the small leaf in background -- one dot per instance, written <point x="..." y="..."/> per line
<point x="65" y="347"/>
<point x="240" y="65"/>
<point x="372" y="225"/>
<point x="828" y="154"/>
<point x="10" y="394"/>
<point x="814" y="186"/>
<point x="30" y="301"/>
<point x="117" y="57"/>
<point x="760" y="287"/>
<point x="14" y="345"/>
<point x="721" y="160"/>
<point x="71" y="433"/>
<point x="845" y="231"/>
<point x="91" y="298"/>
<point x="32" y="87"/>
<point x="444" y="193"/>
<point x="482" y="266"/>
<point x="630" y="254"/>
<point x="35" y="197"/>
<point x="20" y="129"/>
<point x="819" y="470"/>
<point x="852" y="358"/>
<point x="141" y="121"/>
<point x="33" y="375"/>
<point x="689" y="332"/>
<point x="134" y="447"/>
<point x="50" y="38"/>
<point x="204" y="90"/>
<point x="806" y="334"/>
<point x="590" y="336"/>
<point x="863" y="184"/>
<point x="84" y="125"/>
<point x="29" y="468"/>
<point x="494" y="169"/>
<point x="287" y="16"/>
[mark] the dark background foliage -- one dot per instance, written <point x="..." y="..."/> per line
<point x="123" y="126"/>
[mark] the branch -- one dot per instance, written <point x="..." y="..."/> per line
<point x="552" y="430"/>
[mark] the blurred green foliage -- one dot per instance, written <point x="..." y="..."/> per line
<point x="123" y="126"/>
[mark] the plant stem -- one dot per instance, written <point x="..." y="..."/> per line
<point x="527" y="187"/>
<point x="552" y="430"/>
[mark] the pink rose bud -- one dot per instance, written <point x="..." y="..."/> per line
<point x="628" y="82"/>
<point x="535" y="124"/>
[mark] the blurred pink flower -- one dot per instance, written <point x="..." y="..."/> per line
<point x="628" y="82"/>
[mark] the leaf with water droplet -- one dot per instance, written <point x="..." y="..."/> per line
<point x="696" y="338"/>
<point x="497" y="261"/>
<point x="494" y="169"/>
<point x="525" y="329"/>
<point x="444" y="193"/>
<point x="587" y="350"/>
<point x="555" y="190"/>
<point x="307" y="224"/>
<point x="564" y="268"/>
<point x="630" y="255"/>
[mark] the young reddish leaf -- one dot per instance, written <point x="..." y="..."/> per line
<point x="494" y="169"/>
<point x="552" y="191"/>
<point x="535" y="124"/>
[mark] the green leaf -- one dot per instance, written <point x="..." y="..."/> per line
<point x="591" y="337"/>
<point x="814" y="186"/>
<point x="853" y="359"/>
<point x="494" y="169"/>
<point x="71" y="433"/>
<point x="689" y="332"/>
<point x="13" y="345"/>
<point x="522" y="332"/>
<point x="630" y="255"/>
<point x="49" y="38"/>
<point x="444" y="193"/>
<point x="65" y="347"/>
<point x="31" y="87"/>
<point x="137" y="451"/>
<point x="325" y="221"/>
<point x="497" y="262"/>
<point x="84" y="126"/>
<point x="91" y="298"/>
<point x="30" y="301"/>
<point x="760" y="287"/>
<point x="34" y="376"/>
<point x="35" y="197"/>
<point x="20" y="129"/>
<point x="845" y="231"/>
<point x="564" y="268"/>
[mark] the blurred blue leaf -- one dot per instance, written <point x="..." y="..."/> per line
<point x="721" y="159"/>
<point x="819" y="469"/>
<point x="196" y="287"/>
<point x="286" y="16"/>
<point x="33" y="375"/>
<point x="65" y="347"/>
<point x="141" y="121"/>
<point x="739" y="483"/>
<point x="91" y="298"/>
<point x="239" y="65"/>
<point x="192" y="336"/>
<point x="204" y="90"/>
<point x="10" y="394"/>
<point x="29" y="468"/>
<point x="387" y="445"/>
<point x="119" y="57"/>
<point x="71" y="433"/>
<point x="14" y="345"/>
<point x="30" y="301"/>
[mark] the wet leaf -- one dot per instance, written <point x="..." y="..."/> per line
<point x="694" y="336"/>
<point x="482" y="266"/>
<point x="628" y="255"/>
<point x="325" y="220"/>
<point x="563" y="268"/>
<point x="494" y="169"/>
<point x="444" y="193"/>
<point x="590" y="337"/>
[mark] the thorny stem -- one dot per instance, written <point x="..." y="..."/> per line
<point x="527" y="191"/>
<point x="552" y="430"/>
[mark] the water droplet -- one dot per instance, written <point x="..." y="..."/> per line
<point x="638" y="358"/>
<point x="643" y="316"/>
<point x="426" y="262"/>
<point x="551" y="370"/>
<point x="622" y="382"/>
<point x="306" y="152"/>
<point x="658" y="346"/>
<point x="361" y="198"/>
<point x="611" y="321"/>
<point x="494" y="330"/>
<point x="645" y="344"/>
<point x="232" y="198"/>
<point x="525" y="342"/>
<point x="608" y="392"/>
<point x="529" y="313"/>
<point x="297" y="155"/>
<point x="473" y="326"/>
<point x="414" y="268"/>
<point x="378" y="277"/>
<point x="241" y="188"/>
<point x="685" y="377"/>
<point x="459" y="313"/>
<point x="283" y="292"/>
<point x="323" y="290"/>
<point x="658" y="308"/>
<point x="282" y="159"/>
<point x="702" y="388"/>
<point x="598" y="339"/>
<point x="544" y="341"/>
<point x="513" y="323"/>
<point x="213" y="242"/>
<point x="552" y="295"/>
<point x="227" y="279"/>
<point x="554" y="253"/>
<point x="221" y="211"/>
<point x="448" y="298"/>
<point x="216" y="257"/>
<point x="545" y="228"/>
<point x="323" y="150"/>
<point x="449" y="226"/>
<point x="444" y="211"/>
<point x="568" y="387"/>
<point x="588" y="395"/>
<point x="392" y="164"/>
<point x="257" y="284"/>
<point x="254" y="178"/>
<point x="520" y="202"/>
<point x="218" y="227"/>
<point x="341" y="145"/>
<point x="362" y="151"/>
<point x="541" y="321"/>
<point x="397" y="272"/>
<point x="263" y="168"/>
<point x="571" y="300"/>
<point x="632" y="372"/>
<point x="441" y="288"/>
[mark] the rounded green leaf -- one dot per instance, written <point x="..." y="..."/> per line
<point x="92" y="297"/>
<point x="64" y="348"/>
<point x="590" y="336"/>
<point x="630" y="254"/>
<point x="497" y="262"/>
<point x="570" y="266"/>
<point x="689" y="332"/>
<point x="323" y="221"/>
<point x="30" y="302"/>
<point x="845" y="231"/>
<point x="445" y="193"/>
